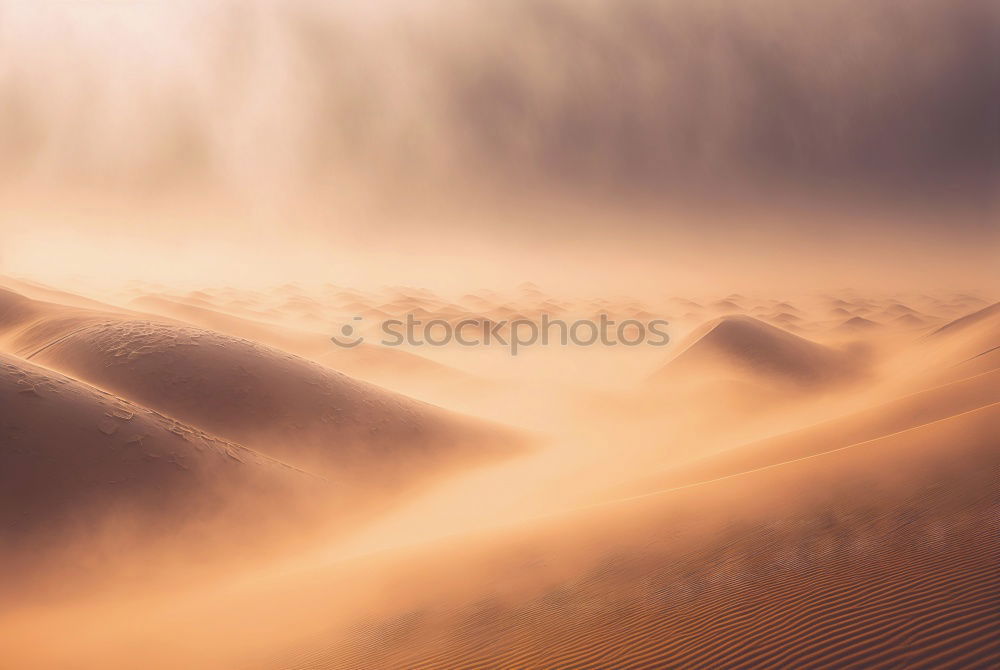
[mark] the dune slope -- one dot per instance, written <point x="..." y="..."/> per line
<point x="893" y="417"/>
<point x="365" y="361"/>
<point x="75" y="458"/>
<point x="966" y="346"/>
<point x="858" y="558"/>
<point x="275" y="402"/>
<point x="992" y="312"/>
<point x="742" y="345"/>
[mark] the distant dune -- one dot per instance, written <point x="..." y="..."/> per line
<point x="744" y="345"/>
<point x="909" y="320"/>
<point x="725" y="306"/>
<point x="858" y="323"/>
<point x="786" y="318"/>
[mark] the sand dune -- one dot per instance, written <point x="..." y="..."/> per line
<point x="900" y="415"/>
<point x="746" y="346"/>
<point x="26" y="324"/>
<point x="725" y="306"/>
<point x="787" y="307"/>
<point x="909" y="320"/>
<point x="858" y="324"/>
<point x="76" y="460"/>
<point x="867" y="536"/>
<point x="786" y="318"/>
<point x="364" y="361"/>
<point x="963" y="347"/>
<point x="986" y="314"/>
<point x="273" y="401"/>
<point x="41" y="292"/>
<point x="284" y="338"/>
<point x="857" y="558"/>
<point x="279" y="403"/>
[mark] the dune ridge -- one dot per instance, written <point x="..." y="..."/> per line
<point x="906" y="413"/>
<point x="270" y="400"/>
<point x="365" y="361"/>
<point x="854" y="573"/>
<point x="969" y="320"/>
<point x="745" y="345"/>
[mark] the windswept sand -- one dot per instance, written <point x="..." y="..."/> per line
<point x="89" y="473"/>
<point x="869" y="556"/>
<point x="523" y="334"/>
<point x="278" y="403"/>
<point x="772" y="489"/>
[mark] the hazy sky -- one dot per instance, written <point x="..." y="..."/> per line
<point x="799" y="117"/>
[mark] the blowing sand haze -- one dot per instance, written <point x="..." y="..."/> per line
<point x="535" y="334"/>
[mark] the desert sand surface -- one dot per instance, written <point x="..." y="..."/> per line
<point x="745" y="496"/>
<point x="242" y="390"/>
<point x="88" y="469"/>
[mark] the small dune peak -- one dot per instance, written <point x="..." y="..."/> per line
<point x="909" y="320"/>
<point x="746" y="345"/>
<point x="727" y="305"/>
<point x="858" y="323"/>
<point x="897" y="308"/>
<point x="788" y="307"/>
<point x="786" y="318"/>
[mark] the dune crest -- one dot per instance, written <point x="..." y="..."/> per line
<point x="278" y="403"/>
<point x="273" y="401"/>
<point x="743" y="345"/>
